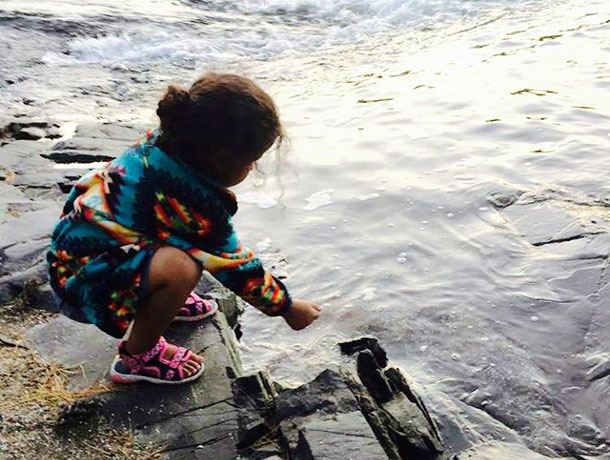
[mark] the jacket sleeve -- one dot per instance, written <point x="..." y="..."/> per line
<point x="238" y="269"/>
<point x="207" y="235"/>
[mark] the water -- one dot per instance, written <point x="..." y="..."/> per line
<point x="404" y="118"/>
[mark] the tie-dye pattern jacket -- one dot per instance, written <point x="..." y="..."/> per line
<point x="114" y="220"/>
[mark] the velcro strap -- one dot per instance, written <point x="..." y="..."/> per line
<point x="178" y="357"/>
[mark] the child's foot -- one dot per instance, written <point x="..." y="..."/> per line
<point x="165" y="363"/>
<point x="196" y="308"/>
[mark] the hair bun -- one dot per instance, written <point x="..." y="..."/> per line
<point x="173" y="108"/>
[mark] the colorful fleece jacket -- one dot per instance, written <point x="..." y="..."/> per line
<point x="114" y="220"/>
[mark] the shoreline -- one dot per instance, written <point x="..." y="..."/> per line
<point x="502" y="327"/>
<point x="554" y="225"/>
<point x="363" y="407"/>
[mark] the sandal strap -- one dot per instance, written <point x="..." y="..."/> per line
<point x="138" y="360"/>
<point x="177" y="358"/>
<point x="196" y="305"/>
<point x="153" y="360"/>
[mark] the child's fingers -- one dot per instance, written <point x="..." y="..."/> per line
<point x="317" y="307"/>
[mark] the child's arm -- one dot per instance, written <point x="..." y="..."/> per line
<point x="261" y="289"/>
<point x="253" y="283"/>
<point x="236" y="267"/>
<point x="201" y="225"/>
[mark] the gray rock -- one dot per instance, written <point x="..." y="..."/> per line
<point x="365" y="343"/>
<point x="582" y="280"/>
<point x="21" y="165"/>
<point x="21" y="158"/>
<point x="342" y="437"/>
<point x="328" y="393"/>
<point x="372" y="377"/>
<point x="75" y="345"/>
<point x="30" y="134"/>
<point x="497" y="450"/>
<point x="29" y="129"/>
<point x="194" y="421"/>
<point x="76" y="156"/>
<point x="504" y="198"/>
<point x="124" y="133"/>
<point x="385" y="418"/>
<point x="544" y="223"/>
<point x="9" y="194"/>
<point x="398" y="416"/>
<point x="591" y="247"/>
<point x="599" y="368"/>
<point x="95" y="142"/>
<point x="228" y="415"/>
<point x="23" y="246"/>
<point x="255" y="399"/>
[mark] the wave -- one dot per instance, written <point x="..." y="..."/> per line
<point x="219" y="30"/>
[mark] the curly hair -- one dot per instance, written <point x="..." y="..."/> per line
<point x="222" y="119"/>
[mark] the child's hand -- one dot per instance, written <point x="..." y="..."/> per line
<point x="301" y="314"/>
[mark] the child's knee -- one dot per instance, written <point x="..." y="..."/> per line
<point x="172" y="267"/>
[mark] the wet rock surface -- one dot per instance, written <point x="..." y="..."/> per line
<point x="229" y="414"/>
<point x="566" y="238"/>
<point x="338" y="415"/>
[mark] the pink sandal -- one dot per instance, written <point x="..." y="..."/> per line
<point x="151" y="366"/>
<point x="196" y="308"/>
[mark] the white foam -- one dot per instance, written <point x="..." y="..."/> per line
<point x="369" y="197"/>
<point x="369" y="15"/>
<point x="137" y="48"/>
<point x="319" y="200"/>
<point x="368" y="294"/>
<point x="263" y="246"/>
<point x="258" y="29"/>
<point x="93" y="165"/>
<point x="68" y="130"/>
<point x="260" y="199"/>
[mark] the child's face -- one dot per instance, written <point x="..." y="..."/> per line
<point x="237" y="176"/>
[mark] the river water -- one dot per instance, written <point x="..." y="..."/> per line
<point x="404" y="117"/>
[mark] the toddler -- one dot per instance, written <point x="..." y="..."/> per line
<point x="134" y="236"/>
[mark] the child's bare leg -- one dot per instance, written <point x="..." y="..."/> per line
<point x="172" y="276"/>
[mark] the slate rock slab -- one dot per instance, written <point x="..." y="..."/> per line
<point x="544" y="223"/>
<point x="95" y="142"/>
<point x="24" y="241"/>
<point x="32" y="129"/>
<point x="361" y="410"/>
<point x="22" y="158"/>
<point x="191" y="421"/>
<point x="75" y="345"/>
<point x="342" y="437"/>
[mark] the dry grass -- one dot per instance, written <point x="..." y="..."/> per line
<point x="51" y="387"/>
<point x="33" y="393"/>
